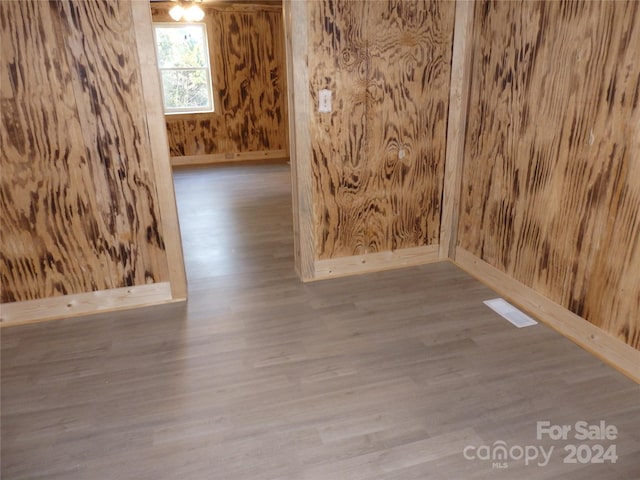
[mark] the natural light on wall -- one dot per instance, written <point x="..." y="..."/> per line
<point x="187" y="11"/>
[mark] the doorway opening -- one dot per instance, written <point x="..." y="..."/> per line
<point x="230" y="165"/>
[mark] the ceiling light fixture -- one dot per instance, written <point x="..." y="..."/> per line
<point x="187" y="11"/>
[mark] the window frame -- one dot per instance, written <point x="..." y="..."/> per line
<point x="207" y="69"/>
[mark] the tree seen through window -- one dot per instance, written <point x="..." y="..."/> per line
<point x="183" y="60"/>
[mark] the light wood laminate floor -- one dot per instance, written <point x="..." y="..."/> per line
<point x="383" y="376"/>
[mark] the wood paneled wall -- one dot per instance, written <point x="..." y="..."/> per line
<point x="246" y="45"/>
<point x="78" y="200"/>
<point x="378" y="157"/>
<point x="551" y="182"/>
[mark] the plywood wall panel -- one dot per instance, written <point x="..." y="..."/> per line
<point x="379" y="156"/>
<point x="198" y="134"/>
<point x="339" y="61"/>
<point x="551" y="182"/>
<point x="78" y="202"/>
<point x="246" y="45"/>
<point x="252" y="64"/>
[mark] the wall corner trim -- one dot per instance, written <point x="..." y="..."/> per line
<point x="606" y="347"/>
<point x="456" y="126"/>
<point x="296" y="25"/>
<point x="157" y="131"/>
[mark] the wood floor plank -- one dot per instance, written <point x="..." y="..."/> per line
<point x="385" y="376"/>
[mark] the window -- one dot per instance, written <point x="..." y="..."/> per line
<point x="183" y="59"/>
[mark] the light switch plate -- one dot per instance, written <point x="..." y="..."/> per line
<point x="324" y="101"/>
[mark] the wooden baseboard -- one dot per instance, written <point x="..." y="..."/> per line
<point x="374" y="262"/>
<point x="65" y="306"/>
<point x="608" y="348"/>
<point x="216" y="158"/>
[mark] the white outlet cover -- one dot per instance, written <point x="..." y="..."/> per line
<point x="324" y="101"/>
